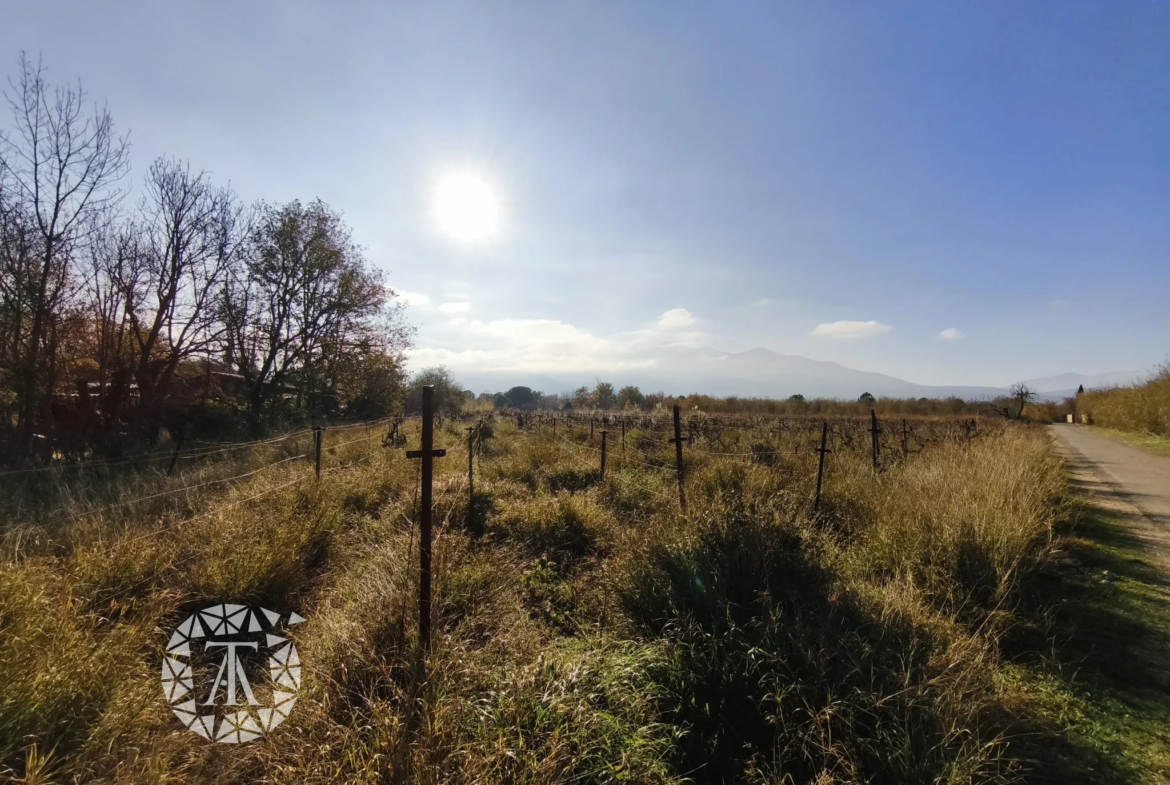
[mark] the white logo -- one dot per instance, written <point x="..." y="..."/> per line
<point x="213" y="674"/>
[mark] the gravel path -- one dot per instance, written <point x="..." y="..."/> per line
<point x="1143" y="479"/>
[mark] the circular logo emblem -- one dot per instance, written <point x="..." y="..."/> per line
<point x="230" y="672"/>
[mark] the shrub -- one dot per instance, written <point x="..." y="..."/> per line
<point x="1143" y="408"/>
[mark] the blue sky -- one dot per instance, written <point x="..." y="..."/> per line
<point x="723" y="174"/>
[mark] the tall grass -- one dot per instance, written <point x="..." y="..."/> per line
<point x="587" y="630"/>
<point x="1141" y="408"/>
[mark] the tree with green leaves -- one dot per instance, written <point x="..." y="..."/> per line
<point x="604" y="396"/>
<point x="302" y="304"/>
<point x="630" y="397"/>
<point x="520" y="398"/>
<point x="376" y="384"/>
<point x="583" y="398"/>
<point x="448" y="391"/>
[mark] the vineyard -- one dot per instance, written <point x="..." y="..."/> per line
<point x="626" y="618"/>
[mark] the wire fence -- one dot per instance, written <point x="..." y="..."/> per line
<point x="213" y="448"/>
<point x="755" y="440"/>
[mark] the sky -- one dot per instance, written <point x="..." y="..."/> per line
<point x="951" y="193"/>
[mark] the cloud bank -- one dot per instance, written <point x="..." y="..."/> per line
<point x="850" y="329"/>
<point x="550" y="345"/>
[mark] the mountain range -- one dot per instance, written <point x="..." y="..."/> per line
<point x="764" y="373"/>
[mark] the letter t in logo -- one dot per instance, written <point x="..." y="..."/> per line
<point x="231" y="667"/>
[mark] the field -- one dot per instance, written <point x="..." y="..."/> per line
<point x="588" y="629"/>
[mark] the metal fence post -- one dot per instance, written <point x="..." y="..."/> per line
<point x="821" y="464"/>
<point x="428" y="453"/>
<point x="678" y="458"/>
<point x="318" y="437"/>
<point x="603" y="435"/>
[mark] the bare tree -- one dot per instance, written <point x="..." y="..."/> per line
<point x="170" y="272"/>
<point x="1022" y="394"/>
<point x="112" y="251"/>
<point x="60" y="167"/>
<point x="17" y="252"/>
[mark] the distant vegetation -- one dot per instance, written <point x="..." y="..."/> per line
<point x="1140" y="408"/>
<point x="604" y="396"/>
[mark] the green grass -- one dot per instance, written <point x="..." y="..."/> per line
<point x="1157" y="445"/>
<point x="1091" y="658"/>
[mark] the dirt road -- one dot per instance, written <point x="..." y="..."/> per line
<point x="1142" y="479"/>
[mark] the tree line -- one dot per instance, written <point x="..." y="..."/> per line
<point x="120" y="316"/>
<point x="452" y="398"/>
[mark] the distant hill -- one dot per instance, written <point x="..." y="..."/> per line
<point x="764" y="373"/>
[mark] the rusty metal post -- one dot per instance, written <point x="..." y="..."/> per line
<point x="470" y="467"/>
<point x="318" y="437"/>
<point x="424" y="547"/>
<point x="175" y="455"/>
<point x="873" y="429"/>
<point x="821" y="464"/>
<point x="428" y="453"/>
<point x="603" y="435"/>
<point x="678" y="458"/>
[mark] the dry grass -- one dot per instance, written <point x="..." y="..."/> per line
<point x="587" y="630"/>
<point x="1140" y="408"/>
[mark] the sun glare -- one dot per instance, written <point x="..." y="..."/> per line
<point x="467" y="208"/>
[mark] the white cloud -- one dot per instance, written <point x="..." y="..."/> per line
<point x="850" y="329"/>
<point x="455" y="307"/>
<point x="676" y="318"/>
<point x="414" y="298"/>
<point x="549" y="345"/>
<point x="951" y="334"/>
<point x="540" y="345"/>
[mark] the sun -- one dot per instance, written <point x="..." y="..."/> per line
<point x="466" y="208"/>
